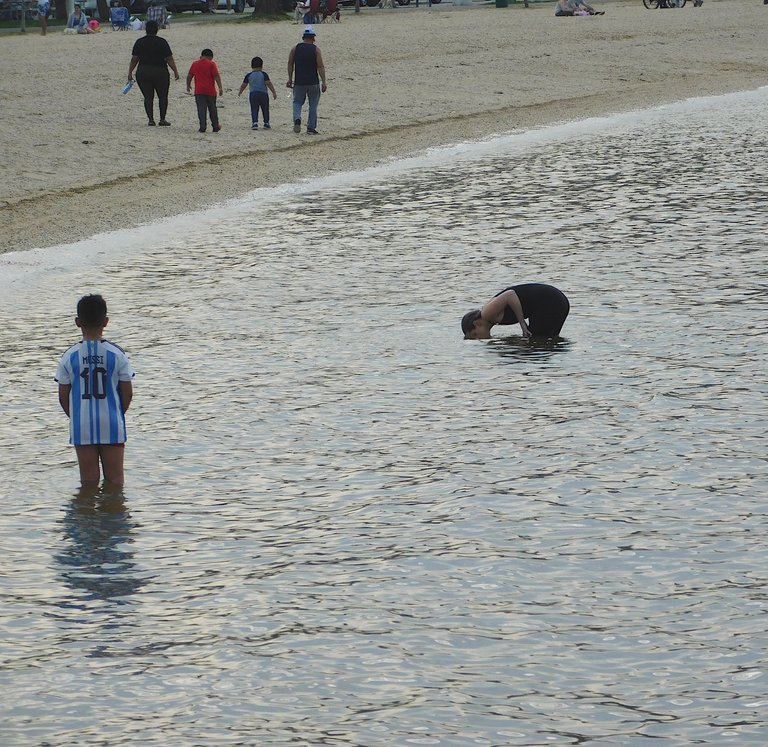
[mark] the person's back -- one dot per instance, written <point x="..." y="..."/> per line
<point x="152" y="50"/>
<point x="95" y="390"/>
<point x="258" y="84"/>
<point x="205" y="72"/>
<point x="94" y="369"/>
<point x="306" y="65"/>
<point x="257" y="81"/>
<point x="306" y="70"/>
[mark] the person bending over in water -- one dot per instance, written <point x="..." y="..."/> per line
<point x="544" y="306"/>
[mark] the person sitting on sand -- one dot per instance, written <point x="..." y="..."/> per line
<point x="78" y="22"/>
<point x="301" y="9"/>
<point x="544" y="306"/>
<point x="564" y="8"/>
<point x="580" y="5"/>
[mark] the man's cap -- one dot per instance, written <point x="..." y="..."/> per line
<point x="309" y="31"/>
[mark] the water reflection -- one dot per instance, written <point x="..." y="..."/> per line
<point x="98" y="562"/>
<point x="517" y="348"/>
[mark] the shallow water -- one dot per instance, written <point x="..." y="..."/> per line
<point x="343" y="524"/>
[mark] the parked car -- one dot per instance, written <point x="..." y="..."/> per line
<point x="237" y="5"/>
<point x="90" y="8"/>
<point x="139" y="7"/>
<point x="179" y="6"/>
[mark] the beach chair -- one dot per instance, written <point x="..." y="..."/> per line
<point x="119" y="18"/>
<point x="331" y="12"/>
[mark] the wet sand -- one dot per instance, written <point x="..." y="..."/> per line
<point x="79" y="158"/>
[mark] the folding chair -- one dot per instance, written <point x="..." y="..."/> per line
<point x="331" y="12"/>
<point x="119" y="18"/>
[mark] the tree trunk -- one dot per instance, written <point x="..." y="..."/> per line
<point x="103" y="8"/>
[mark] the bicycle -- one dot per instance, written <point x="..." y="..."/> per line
<point x="651" y="4"/>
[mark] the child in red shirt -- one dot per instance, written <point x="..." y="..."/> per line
<point x="206" y="76"/>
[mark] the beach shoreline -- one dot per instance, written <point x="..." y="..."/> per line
<point x="81" y="160"/>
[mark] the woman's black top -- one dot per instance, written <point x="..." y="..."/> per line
<point x="152" y="51"/>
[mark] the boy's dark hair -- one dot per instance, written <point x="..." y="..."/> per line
<point x="257" y="62"/>
<point x="151" y="28"/>
<point x="92" y="310"/>
<point x="207" y="53"/>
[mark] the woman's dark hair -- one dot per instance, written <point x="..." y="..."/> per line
<point x="92" y="310"/>
<point x="151" y="28"/>
<point x="468" y="321"/>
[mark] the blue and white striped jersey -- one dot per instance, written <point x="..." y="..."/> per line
<point x="94" y="368"/>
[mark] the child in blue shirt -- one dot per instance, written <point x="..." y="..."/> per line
<point x="258" y="82"/>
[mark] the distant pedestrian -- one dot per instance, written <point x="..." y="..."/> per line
<point x="305" y="71"/>
<point x="257" y="81"/>
<point x="153" y="56"/>
<point x="205" y="73"/>
<point x="43" y="9"/>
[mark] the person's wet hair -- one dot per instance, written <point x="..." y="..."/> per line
<point x="207" y="53"/>
<point x="468" y="321"/>
<point x="257" y="62"/>
<point x="151" y="28"/>
<point x="92" y="310"/>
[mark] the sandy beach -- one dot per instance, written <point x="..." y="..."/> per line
<point x="79" y="158"/>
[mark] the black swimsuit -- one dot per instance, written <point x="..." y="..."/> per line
<point x="544" y="306"/>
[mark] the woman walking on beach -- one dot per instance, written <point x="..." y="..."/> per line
<point x="153" y="56"/>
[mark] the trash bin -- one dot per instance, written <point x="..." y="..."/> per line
<point x="501" y="3"/>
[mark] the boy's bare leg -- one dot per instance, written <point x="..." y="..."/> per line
<point x="112" y="462"/>
<point x="88" y="461"/>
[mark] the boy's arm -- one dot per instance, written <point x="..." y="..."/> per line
<point x="189" y="81"/>
<point x="242" y="88"/>
<point x="64" y="390"/>
<point x="272" y="88"/>
<point x="217" y="78"/>
<point x="125" y="390"/>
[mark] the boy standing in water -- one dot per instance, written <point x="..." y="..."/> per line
<point x="205" y="73"/>
<point x="258" y="81"/>
<point x="95" y="390"/>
